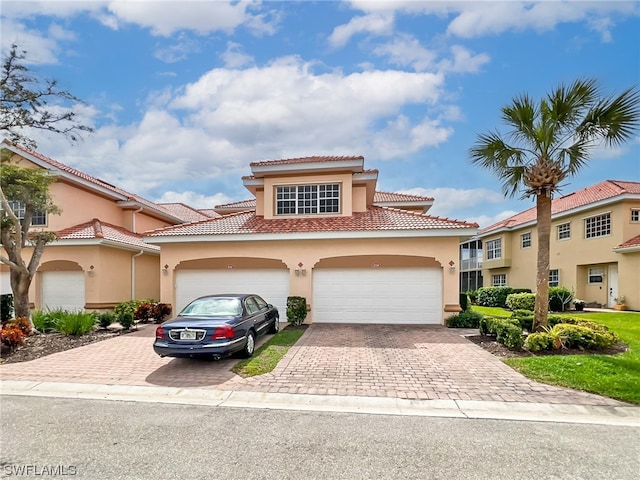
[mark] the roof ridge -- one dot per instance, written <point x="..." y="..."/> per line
<point x="424" y="215"/>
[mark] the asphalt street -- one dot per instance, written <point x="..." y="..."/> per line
<point x="110" y="440"/>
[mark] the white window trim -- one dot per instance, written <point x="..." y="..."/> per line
<point x="506" y="282"/>
<point x="558" y="231"/>
<point x="558" y="281"/>
<point x="637" y="211"/>
<point x="584" y="225"/>
<point x="296" y="186"/>
<point x="601" y="282"/>
<point x="487" y="249"/>
<point x="522" y="240"/>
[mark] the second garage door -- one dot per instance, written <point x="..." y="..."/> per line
<point x="270" y="284"/>
<point x="385" y="295"/>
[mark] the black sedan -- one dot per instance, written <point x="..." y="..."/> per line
<point x="217" y="326"/>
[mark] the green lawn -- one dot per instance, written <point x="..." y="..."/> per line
<point x="266" y="357"/>
<point x="614" y="376"/>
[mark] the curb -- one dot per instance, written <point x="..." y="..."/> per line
<point x="628" y="416"/>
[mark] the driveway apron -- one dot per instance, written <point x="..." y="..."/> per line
<point x="411" y="362"/>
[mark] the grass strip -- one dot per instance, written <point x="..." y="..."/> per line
<point x="267" y="356"/>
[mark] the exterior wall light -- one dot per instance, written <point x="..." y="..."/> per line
<point x="452" y="267"/>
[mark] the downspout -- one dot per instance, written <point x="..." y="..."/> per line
<point x="133" y="274"/>
<point x="133" y="219"/>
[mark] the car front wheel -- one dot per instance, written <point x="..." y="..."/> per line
<point x="250" y="346"/>
<point x="275" y="326"/>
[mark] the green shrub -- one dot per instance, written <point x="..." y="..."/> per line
<point x="125" y="318"/>
<point x="75" y="323"/>
<point x="524" y="318"/>
<point x="45" y="321"/>
<point x="105" y="319"/>
<point x="521" y="290"/>
<point x="6" y="307"/>
<point x="559" y="299"/>
<point x="506" y="330"/>
<point x="493" y="296"/>
<point x="473" y="295"/>
<point x="584" y="336"/>
<point x="553" y="320"/>
<point x="521" y="301"/>
<point x="129" y="306"/>
<point x="538" y="341"/>
<point x="467" y="319"/>
<point x="296" y="309"/>
<point x="464" y="302"/>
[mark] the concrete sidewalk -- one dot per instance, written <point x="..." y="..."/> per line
<point x="628" y="416"/>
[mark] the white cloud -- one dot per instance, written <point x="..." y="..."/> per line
<point x="463" y="61"/>
<point x="234" y="57"/>
<point x="484" y="221"/>
<point x="194" y="200"/>
<point x="181" y="48"/>
<point x="450" y="201"/>
<point x="379" y="24"/>
<point x="406" y="50"/>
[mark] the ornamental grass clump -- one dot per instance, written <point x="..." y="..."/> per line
<point x="75" y="323"/>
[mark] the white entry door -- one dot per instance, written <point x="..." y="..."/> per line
<point x="613" y="285"/>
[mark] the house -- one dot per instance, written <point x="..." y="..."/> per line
<point x="595" y="245"/>
<point x="99" y="258"/>
<point x="317" y="227"/>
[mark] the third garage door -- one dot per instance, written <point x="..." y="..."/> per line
<point x="385" y="295"/>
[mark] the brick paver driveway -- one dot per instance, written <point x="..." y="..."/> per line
<point x="415" y="362"/>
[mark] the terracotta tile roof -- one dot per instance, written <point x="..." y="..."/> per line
<point x="399" y="197"/>
<point x="631" y="243"/>
<point x="376" y="219"/>
<point x="605" y="190"/>
<point x="185" y="212"/>
<point x="101" y="230"/>
<point x="95" y="181"/>
<point x="209" y="212"/>
<point x="248" y="204"/>
<point x="289" y="161"/>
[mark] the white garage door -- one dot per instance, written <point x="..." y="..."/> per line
<point x="366" y="295"/>
<point x="63" y="290"/>
<point x="270" y="284"/>
<point x="5" y="283"/>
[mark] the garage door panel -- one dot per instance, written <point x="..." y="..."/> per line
<point x="63" y="290"/>
<point x="270" y="284"/>
<point x="410" y="296"/>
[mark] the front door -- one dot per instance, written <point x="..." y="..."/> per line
<point x="613" y="285"/>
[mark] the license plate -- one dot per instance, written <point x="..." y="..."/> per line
<point x="187" y="335"/>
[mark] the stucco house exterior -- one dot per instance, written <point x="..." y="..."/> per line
<point x="99" y="258"/>
<point x="318" y="228"/>
<point x="595" y="245"/>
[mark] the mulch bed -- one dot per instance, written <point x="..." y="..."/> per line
<point x="492" y="346"/>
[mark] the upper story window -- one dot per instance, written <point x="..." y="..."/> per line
<point x="38" y="219"/>
<point x="564" y="231"/>
<point x="494" y="249"/>
<point x="554" y="277"/>
<point x="308" y="199"/>
<point x="635" y="214"/>
<point x="597" y="226"/>
<point x="525" y="240"/>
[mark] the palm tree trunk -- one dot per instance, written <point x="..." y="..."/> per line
<point x="543" y="207"/>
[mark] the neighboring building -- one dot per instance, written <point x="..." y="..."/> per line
<point x="471" y="265"/>
<point x="317" y="228"/>
<point x="99" y="258"/>
<point x="595" y="245"/>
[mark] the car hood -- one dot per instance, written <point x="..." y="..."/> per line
<point x="193" y="322"/>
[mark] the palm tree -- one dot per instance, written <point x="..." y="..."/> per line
<point x="549" y="141"/>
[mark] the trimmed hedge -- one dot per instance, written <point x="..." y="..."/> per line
<point x="506" y="330"/>
<point x="572" y="333"/>
<point x="493" y="296"/>
<point x="296" y="309"/>
<point x="521" y="301"/>
<point x="466" y="319"/>
<point x="464" y="302"/>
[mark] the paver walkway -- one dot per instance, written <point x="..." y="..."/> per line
<point x="412" y="362"/>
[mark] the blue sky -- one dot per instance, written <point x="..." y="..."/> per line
<point x="184" y="95"/>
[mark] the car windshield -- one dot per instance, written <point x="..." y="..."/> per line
<point x="211" y="307"/>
